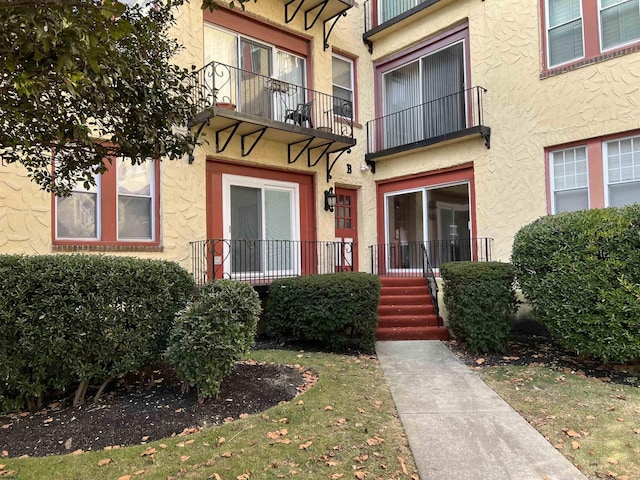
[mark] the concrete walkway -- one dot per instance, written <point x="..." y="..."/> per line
<point x="458" y="428"/>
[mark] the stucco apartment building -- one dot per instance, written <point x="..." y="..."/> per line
<point x="358" y="134"/>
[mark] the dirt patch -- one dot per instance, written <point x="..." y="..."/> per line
<point x="138" y="410"/>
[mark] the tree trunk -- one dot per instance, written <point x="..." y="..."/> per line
<point x="34" y="403"/>
<point x="101" y="389"/>
<point x="81" y="392"/>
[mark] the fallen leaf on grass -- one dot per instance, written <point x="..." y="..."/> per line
<point x="6" y="473"/>
<point x="125" y="477"/>
<point x="360" y="475"/>
<point x="305" y="445"/>
<point x="145" y="438"/>
<point x="104" y="461"/>
<point x="185" y="443"/>
<point x="573" y="434"/>
<point x="4" y="453"/>
<point x="361" y="458"/>
<point x="162" y="445"/>
<point x="480" y="361"/>
<point x="184" y="458"/>
<point x="221" y="440"/>
<point x="612" y="461"/>
<point x="328" y="407"/>
<point x="215" y="476"/>
<point x="336" y="476"/>
<point x="225" y="454"/>
<point x="285" y="441"/>
<point x="138" y="473"/>
<point x="77" y="452"/>
<point x="244" y="476"/>
<point x="148" y="452"/>
<point x="403" y="465"/>
<point x="375" y="441"/>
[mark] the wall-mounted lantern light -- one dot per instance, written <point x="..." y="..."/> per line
<point x="329" y="199"/>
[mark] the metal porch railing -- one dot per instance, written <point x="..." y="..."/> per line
<point x="259" y="262"/>
<point x="435" y="120"/>
<point x="408" y="259"/>
<point x="225" y="86"/>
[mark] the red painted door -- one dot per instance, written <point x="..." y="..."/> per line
<point x="346" y="216"/>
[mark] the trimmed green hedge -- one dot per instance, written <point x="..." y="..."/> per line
<point x="580" y="272"/>
<point x="69" y="319"/>
<point x="336" y="310"/>
<point x="213" y="333"/>
<point x="481" y="303"/>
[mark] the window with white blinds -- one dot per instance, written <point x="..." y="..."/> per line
<point x="569" y="179"/>
<point x="565" y="41"/>
<point x="425" y="98"/>
<point x="619" y="22"/>
<point x="623" y="171"/>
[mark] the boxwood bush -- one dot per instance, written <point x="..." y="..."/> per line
<point x="581" y="273"/>
<point x="337" y="310"/>
<point x="213" y="333"/>
<point x="73" y="319"/>
<point x="481" y="303"/>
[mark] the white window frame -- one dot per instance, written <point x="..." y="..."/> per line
<point x="229" y="180"/>
<point x="552" y="179"/>
<point x="98" y="219"/>
<point x="152" y="195"/>
<point x="352" y="86"/>
<point x="605" y="165"/>
<point x="548" y="28"/>
<point x="600" y="42"/>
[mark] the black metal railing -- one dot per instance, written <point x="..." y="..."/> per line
<point x="259" y="262"/>
<point x="407" y="259"/>
<point x="223" y="86"/>
<point x="430" y="279"/>
<point x="377" y="13"/>
<point x="432" y="120"/>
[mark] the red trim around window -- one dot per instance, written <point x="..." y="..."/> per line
<point x="457" y="174"/>
<point x="591" y="35"/>
<point x="354" y="62"/>
<point x="108" y="217"/>
<point x="436" y="42"/>
<point x="595" y="166"/>
<point x="217" y="167"/>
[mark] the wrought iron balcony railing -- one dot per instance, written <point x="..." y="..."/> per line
<point x="378" y="13"/>
<point x="408" y="259"/>
<point x="452" y="116"/>
<point x="218" y="87"/>
<point x="259" y="262"/>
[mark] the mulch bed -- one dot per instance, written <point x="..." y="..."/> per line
<point x="543" y="351"/>
<point x="141" y="410"/>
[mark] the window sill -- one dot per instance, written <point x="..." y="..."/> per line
<point x="101" y="247"/>
<point x="552" y="72"/>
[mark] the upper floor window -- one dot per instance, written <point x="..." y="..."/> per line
<point x="584" y="29"/>
<point x="343" y="85"/>
<point x="121" y="207"/>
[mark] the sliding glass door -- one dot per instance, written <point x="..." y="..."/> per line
<point x="261" y="221"/>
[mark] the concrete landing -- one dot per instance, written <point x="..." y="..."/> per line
<point x="457" y="427"/>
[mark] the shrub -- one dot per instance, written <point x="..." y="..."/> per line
<point x="481" y="303"/>
<point x="338" y="310"/>
<point x="213" y="333"/>
<point x="581" y="271"/>
<point x="69" y="319"/>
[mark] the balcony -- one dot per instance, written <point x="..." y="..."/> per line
<point x="447" y="118"/>
<point x="408" y="259"/>
<point x="385" y="16"/>
<point x="241" y="104"/>
<point x="259" y="262"/>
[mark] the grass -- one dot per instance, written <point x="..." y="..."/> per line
<point x="595" y="424"/>
<point x="346" y="427"/>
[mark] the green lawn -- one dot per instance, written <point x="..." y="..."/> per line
<point x="595" y="424"/>
<point x="346" y="426"/>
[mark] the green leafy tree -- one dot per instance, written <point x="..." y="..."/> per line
<point x="86" y="80"/>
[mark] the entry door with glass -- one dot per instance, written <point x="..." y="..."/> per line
<point x="434" y="219"/>
<point x="261" y="227"/>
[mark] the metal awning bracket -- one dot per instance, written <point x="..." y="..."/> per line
<point x="260" y="133"/>
<point x="289" y="17"/>
<point x="206" y="123"/>
<point x="306" y="142"/>
<point x="330" y="164"/>
<point x="333" y="21"/>
<point x="324" y="147"/>
<point x="233" y="127"/>
<point x="319" y="8"/>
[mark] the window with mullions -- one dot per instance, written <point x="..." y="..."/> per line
<point x="570" y="183"/>
<point x="623" y="171"/>
<point x="343" y="86"/>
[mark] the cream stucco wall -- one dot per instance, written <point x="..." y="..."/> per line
<point x="525" y="113"/>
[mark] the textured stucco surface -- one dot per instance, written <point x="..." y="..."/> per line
<point x="525" y="113"/>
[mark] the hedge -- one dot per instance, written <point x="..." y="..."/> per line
<point x="580" y="272"/>
<point x="213" y="333"/>
<point x="336" y="310"/>
<point x="73" y="319"/>
<point x="481" y="303"/>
